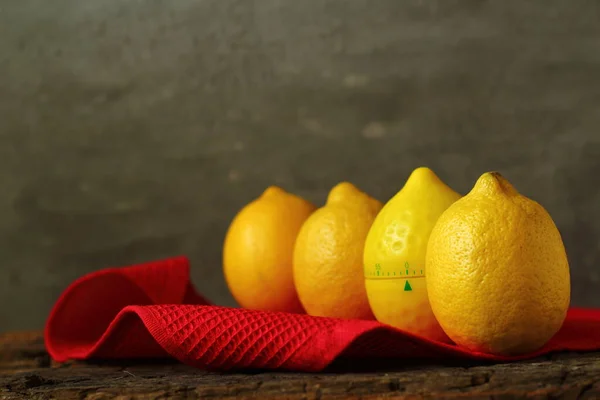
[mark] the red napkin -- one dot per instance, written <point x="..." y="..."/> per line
<point x="152" y="310"/>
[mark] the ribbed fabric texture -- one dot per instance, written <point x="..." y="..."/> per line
<point x="152" y="310"/>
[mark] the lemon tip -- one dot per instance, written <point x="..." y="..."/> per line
<point x="423" y="174"/>
<point x="494" y="181"/>
<point x="272" y="190"/>
<point x="341" y="191"/>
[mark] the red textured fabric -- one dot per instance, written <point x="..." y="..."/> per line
<point x="152" y="310"/>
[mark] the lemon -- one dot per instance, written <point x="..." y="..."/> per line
<point x="394" y="254"/>
<point x="258" y="251"/>
<point x="498" y="276"/>
<point x="328" y="255"/>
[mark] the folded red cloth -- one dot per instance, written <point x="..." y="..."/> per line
<point x="152" y="310"/>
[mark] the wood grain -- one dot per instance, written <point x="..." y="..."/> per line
<point x="26" y="372"/>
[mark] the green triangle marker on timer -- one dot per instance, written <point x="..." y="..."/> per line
<point x="407" y="287"/>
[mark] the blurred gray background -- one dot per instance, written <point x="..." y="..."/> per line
<point x="135" y="130"/>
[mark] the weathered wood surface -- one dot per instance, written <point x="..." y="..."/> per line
<point x="26" y="372"/>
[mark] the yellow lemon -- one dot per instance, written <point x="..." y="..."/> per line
<point x="328" y="256"/>
<point x="394" y="256"/>
<point x="498" y="275"/>
<point x="258" y="251"/>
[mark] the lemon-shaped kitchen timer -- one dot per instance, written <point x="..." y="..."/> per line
<point x="394" y="254"/>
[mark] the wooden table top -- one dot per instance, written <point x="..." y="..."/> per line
<point x="26" y="372"/>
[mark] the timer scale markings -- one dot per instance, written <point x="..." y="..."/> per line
<point x="381" y="273"/>
<point x="407" y="271"/>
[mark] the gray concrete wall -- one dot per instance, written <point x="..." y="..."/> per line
<point x="135" y="130"/>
